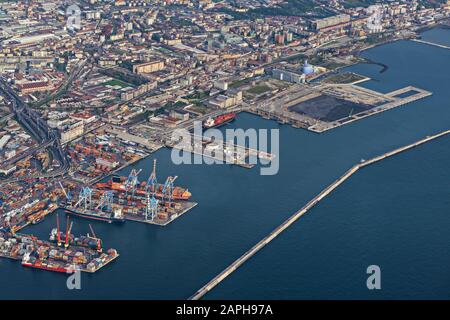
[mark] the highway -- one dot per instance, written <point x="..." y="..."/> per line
<point x="32" y="122"/>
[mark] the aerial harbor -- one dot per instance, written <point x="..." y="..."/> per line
<point x="183" y="149"/>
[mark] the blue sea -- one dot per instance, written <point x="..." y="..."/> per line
<point x="395" y="214"/>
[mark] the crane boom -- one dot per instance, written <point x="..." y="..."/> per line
<point x="63" y="190"/>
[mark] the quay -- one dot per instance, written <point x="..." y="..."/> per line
<point x="393" y="101"/>
<point x="282" y="107"/>
<point x="187" y="207"/>
<point x="219" y="150"/>
<point x="432" y="44"/>
<point x="325" y="192"/>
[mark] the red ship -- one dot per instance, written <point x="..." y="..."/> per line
<point x="45" y="266"/>
<point x="219" y="120"/>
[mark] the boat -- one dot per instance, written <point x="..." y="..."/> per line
<point x="46" y="266"/>
<point x="43" y="265"/>
<point x="96" y="216"/>
<point x="118" y="184"/>
<point x="219" y="120"/>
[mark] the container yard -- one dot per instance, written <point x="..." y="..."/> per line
<point x="100" y="153"/>
<point x="219" y="150"/>
<point x="324" y="106"/>
<point x="30" y="193"/>
<point x="127" y="198"/>
<point x="63" y="252"/>
<point x="37" y="186"/>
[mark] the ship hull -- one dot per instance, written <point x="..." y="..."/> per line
<point x="41" y="267"/>
<point x="95" y="217"/>
<point x="220" y="122"/>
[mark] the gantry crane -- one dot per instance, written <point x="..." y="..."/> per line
<point x="132" y="181"/>
<point x="152" y="180"/>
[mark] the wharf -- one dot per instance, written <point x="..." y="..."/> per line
<point x="133" y="138"/>
<point x="99" y="215"/>
<point x="220" y="150"/>
<point x="282" y="107"/>
<point x="125" y="165"/>
<point x="26" y="223"/>
<point x="431" y="44"/>
<point x="92" y="214"/>
<point x="109" y="259"/>
<point x="393" y="101"/>
<point x="188" y="206"/>
<point x="325" y="192"/>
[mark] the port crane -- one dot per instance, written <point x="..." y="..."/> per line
<point x="58" y="234"/>
<point x="66" y="194"/>
<point x="85" y="198"/>
<point x="168" y="189"/>
<point x="151" y="208"/>
<point x="94" y="237"/>
<point x="106" y="201"/>
<point x="132" y="181"/>
<point x="68" y="230"/>
<point x="152" y="180"/>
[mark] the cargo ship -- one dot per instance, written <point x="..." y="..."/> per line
<point x="27" y="261"/>
<point x="110" y="218"/>
<point x="219" y="120"/>
<point x="118" y="184"/>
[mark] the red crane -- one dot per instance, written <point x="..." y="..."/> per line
<point x="68" y="229"/>
<point x="58" y="235"/>
<point x="99" y="245"/>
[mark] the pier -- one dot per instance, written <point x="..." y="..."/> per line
<point x="281" y="108"/>
<point x="432" y="44"/>
<point x="219" y="150"/>
<point x="392" y="101"/>
<point x="325" y="192"/>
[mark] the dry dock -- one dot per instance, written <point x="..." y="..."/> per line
<point x="250" y="253"/>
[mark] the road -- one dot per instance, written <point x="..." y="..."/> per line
<point x="31" y="121"/>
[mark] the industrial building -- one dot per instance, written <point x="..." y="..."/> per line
<point x="148" y="67"/>
<point x="331" y="23"/>
<point x="288" y="76"/>
<point x="223" y="101"/>
<point x="4" y="140"/>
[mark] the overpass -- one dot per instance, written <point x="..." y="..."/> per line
<point x="32" y="122"/>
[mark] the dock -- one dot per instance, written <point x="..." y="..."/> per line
<point x="324" y="193"/>
<point x="432" y="44"/>
<point x="220" y="150"/>
<point x="187" y="207"/>
<point x="393" y="101"/>
<point x="281" y="107"/>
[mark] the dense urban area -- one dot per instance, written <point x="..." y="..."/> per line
<point x="88" y="88"/>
